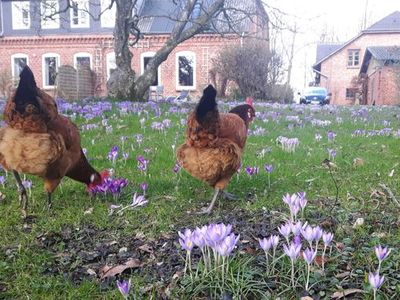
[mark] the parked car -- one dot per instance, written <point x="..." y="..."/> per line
<point x="315" y="95"/>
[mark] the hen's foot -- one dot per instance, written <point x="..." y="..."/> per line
<point x="23" y="202"/>
<point x="229" y="196"/>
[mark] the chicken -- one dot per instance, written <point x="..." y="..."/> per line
<point x="214" y="142"/>
<point x="39" y="141"/>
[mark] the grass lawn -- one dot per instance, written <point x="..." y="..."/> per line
<point x="62" y="252"/>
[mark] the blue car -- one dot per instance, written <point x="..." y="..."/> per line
<point x="315" y="95"/>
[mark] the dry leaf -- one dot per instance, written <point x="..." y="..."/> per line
<point x="391" y="173"/>
<point x="89" y="211"/>
<point x="342" y="275"/>
<point x="108" y="271"/>
<point x="358" y="162"/>
<point x="306" y="298"/>
<point x="91" y="272"/>
<point x="345" y="293"/>
<point x="146" y="248"/>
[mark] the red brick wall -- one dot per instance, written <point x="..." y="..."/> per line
<point x="204" y="46"/>
<point x="339" y="76"/>
<point x="384" y="87"/>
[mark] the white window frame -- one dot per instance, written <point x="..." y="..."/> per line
<point x="108" y="15"/>
<point x="51" y="6"/>
<point x="178" y="86"/>
<point x="83" y="54"/>
<point x="17" y="55"/>
<point x="149" y="54"/>
<point x="58" y="62"/>
<point x="83" y="8"/>
<point x="17" y="15"/>
<point x="110" y="65"/>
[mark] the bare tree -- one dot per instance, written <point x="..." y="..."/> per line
<point x="251" y="66"/>
<point x="217" y="16"/>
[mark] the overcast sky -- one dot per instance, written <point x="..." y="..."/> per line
<point x="341" y="20"/>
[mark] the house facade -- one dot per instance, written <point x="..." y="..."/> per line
<point x="75" y="38"/>
<point x="338" y="66"/>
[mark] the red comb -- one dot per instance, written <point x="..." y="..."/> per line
<point x="104" y="174"/>
<point x="249" y="101"/>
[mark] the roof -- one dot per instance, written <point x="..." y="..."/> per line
<point x="386" y="54"/>
<point x="323" y="50"/>
<point x="387" y="24"/>
<point x="158" y="16"/>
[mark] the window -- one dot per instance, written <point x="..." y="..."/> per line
<point x="144" y="60"/>
<point x="18" y="62"/>
<point x="351" y="93"/>
<point x="111" y="65"/>
<point x="20" y="15"/>
<point x="353" y="58"/>
<point x="82" y="59"/>
<point x="50" y="63"/>
<point x="49" y="15"/>
<point x="185" y="70"/>
<point x="79" y="14"/>
<point x="108" y="15"/>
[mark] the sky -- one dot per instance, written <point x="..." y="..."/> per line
<point x="340" y="20"/>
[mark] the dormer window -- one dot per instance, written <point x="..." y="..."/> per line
<point x="49" y="14"/>
<point x="107" y="14"/>
<point x="21" y="15"/>
<point x="79" y="14"/>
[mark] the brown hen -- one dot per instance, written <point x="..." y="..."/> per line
<point x="39" y="141"/>
<point x="214" y="142"/>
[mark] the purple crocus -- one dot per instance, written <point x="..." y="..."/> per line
<point x="216" y="233"/>
<point x="176" y="168"/>
<point x="382" y="252"/>
<point x="331" y="135"/>
<point x="265" y="244"/>
<point x="144" y="186"/>
<point x="308" y="234"/>
<point x="309" y="255"/>
<point x="375" y="280"/>
<point x="285" y="230"/>
<point x="268" y="168"/>
<point x="124" y="287"/>
<point x="226" y="247"/>
<point x="113" y="154"/>
<point x="327" y="237"/>
<point x="292" y="251"/>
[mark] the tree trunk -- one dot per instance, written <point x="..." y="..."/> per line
<point x="121" y="84"/>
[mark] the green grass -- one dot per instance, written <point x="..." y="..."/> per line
<point x="23" y="263"/>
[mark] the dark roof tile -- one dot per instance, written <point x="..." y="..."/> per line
<point x="323" y="50"/>
<point x="389" y="23"/>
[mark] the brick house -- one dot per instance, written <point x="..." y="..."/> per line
<point x="74" y="38"/>
<point x="338" y="66"/>
<point x="380" y="70"/>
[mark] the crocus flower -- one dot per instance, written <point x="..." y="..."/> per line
<point x="265" y="244"/>
<point x="138" y="200"/>
<point x="269" y="168"/>
<point x="292" y="251"/>
<point x="124" y="287"/>
<point x="309" y="255"/>
<point x="144" y="186"/>
<point x="375" y="280"/>
<point x="327" y="237"/>
<point x="382" y="252"/>
<point x="227" y="245"/>
<point x="285" y="230"/>
<point x="308" y="234"/>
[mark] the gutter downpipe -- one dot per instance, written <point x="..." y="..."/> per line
<point x="2" y="19"/>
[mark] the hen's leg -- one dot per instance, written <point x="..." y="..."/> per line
<point x="49" y="186"/>
<point x="210" y="207"/>
<point x="49" y="200"/>
<point x="23" y="197"/>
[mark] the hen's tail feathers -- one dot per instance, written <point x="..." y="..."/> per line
<point x="26" y="91"/>
<point x="206" y="104"/>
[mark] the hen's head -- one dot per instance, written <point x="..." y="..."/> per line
<point x="26" y="95"/>
<point x="245" y="111"/>
<point x="97" y="179"/>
